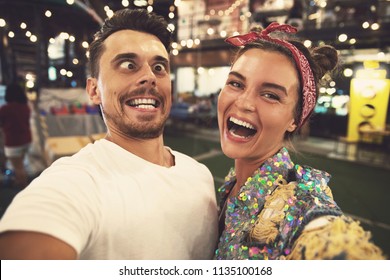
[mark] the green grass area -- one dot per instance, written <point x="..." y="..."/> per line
<point x="191" y="146"/>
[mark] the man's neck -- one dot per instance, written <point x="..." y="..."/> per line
<point x="152" y="150"/>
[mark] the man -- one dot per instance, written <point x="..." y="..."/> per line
<point x="126" y="196"/>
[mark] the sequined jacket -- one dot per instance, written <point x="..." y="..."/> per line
<point x="286" y="211"/>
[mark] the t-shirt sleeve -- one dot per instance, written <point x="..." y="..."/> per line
<point x="59" y="204"/>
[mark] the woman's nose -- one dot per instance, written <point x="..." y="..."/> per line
<point x="245" y="102"/>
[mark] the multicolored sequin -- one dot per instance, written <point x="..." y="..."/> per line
<point x="282" y="208"/>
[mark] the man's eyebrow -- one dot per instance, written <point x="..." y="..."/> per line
<point x="162" y="59"/>
<point x="266" y="84"/>
<point x="122" y="56"/>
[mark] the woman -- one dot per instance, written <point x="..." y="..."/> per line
<point x="271" y="207"/>
<point x="15" y="122"/>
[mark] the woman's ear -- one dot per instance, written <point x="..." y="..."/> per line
<point x="292" y="126"/>
<point x="93" y="91"/>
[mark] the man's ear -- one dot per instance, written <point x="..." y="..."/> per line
<point x="93" y="91"/>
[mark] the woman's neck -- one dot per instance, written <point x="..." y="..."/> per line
<point x="245" y="167"/>
<point x="244" y="170"/>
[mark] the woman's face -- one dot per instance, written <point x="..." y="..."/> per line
<point x="256" y="105"/>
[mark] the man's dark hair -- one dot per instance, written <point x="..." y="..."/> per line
<point x="133" y="19"/>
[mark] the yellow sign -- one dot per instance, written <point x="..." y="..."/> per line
<point x="369" y="98"/>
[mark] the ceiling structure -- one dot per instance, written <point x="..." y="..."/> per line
<point x="21" y="52"/>
<point x="20" y="55"/>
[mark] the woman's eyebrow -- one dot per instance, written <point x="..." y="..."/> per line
<point x="266" y="84"/>
<point x="276" y="86"/>
<point x="238" y="75"/>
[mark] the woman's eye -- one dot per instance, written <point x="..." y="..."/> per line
<point x="234" y="84"/>
<point x="271" y="96"/>
<point x="128" y="65"/>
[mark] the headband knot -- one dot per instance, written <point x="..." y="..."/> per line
<point x="274" y="26"/>
<point x="307" y="77"/>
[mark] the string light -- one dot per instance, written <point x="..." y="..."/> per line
<point x="375" y="26"/>
<point x="125" y="3"/>
<point x="140" y="3"/>
<point x="33" y="38"/>
<point x="2" y="22"/>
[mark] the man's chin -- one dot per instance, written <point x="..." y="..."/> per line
<point x="145" y="133"/>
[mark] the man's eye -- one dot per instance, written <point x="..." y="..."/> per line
<point x="160" y="67"/>
<point x="127" y="64"/>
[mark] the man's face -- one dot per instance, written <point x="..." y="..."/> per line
<point x="133" y="87"/>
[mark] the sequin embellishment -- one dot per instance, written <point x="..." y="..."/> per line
<point x="277" y="209"/>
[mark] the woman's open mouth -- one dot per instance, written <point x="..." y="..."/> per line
<point x="239" y="128"/>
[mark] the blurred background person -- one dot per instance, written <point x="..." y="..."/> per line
<point x="15" y="123"/>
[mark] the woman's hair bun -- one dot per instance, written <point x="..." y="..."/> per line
<point x="326" y="58"/>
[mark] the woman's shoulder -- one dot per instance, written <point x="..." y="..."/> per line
<point x="308" y="173"/>
<point x="310" y="179"/>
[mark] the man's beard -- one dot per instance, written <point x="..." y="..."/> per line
<point x="145" y="128"/>
<point x="140" y="130"/>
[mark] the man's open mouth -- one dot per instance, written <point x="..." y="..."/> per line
<point x="143" y="103"/>
<point x="240" y="128"/>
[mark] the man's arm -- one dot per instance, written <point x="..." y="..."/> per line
<point x="27" y="245"/>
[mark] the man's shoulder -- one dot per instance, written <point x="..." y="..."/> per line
<point x="85" y="158"/>
<point x="190" y="162"/>
<point x="185" y="157"/>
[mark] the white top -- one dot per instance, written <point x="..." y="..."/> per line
<point x="110" y="204"/>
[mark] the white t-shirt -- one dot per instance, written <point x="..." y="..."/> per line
<point x="110" y="204"/>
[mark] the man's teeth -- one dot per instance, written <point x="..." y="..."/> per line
<point x="143" y="103"/>
<point x="241" y="123"/>
<point x="143" y="106"/>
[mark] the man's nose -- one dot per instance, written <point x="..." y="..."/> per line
<point x="147" y="76"/>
